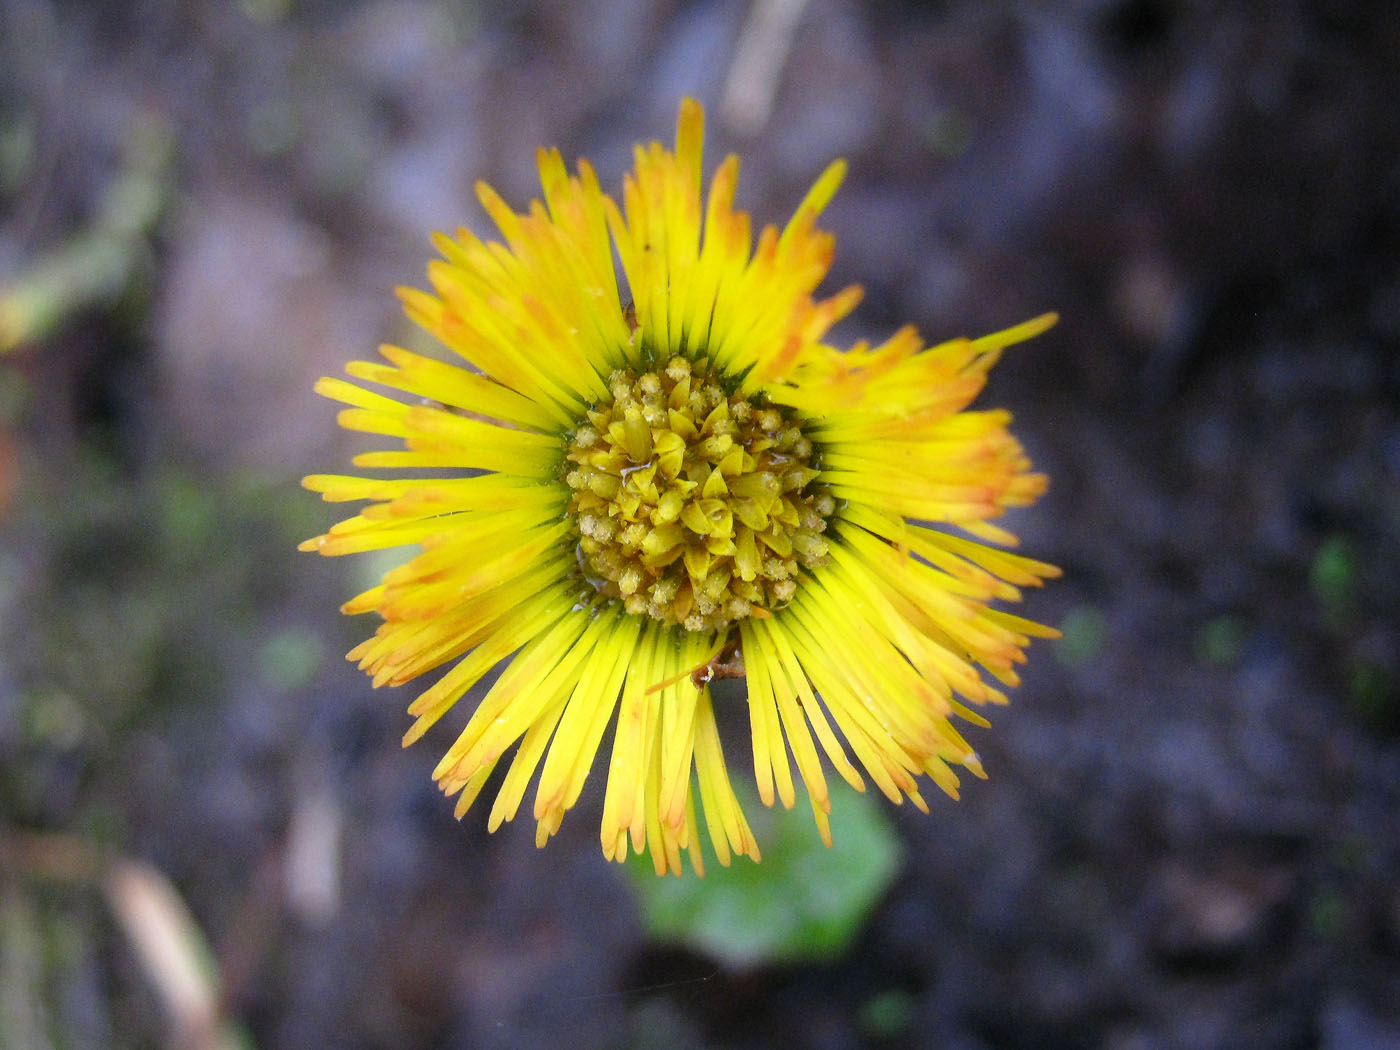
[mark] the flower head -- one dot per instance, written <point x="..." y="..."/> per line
<point x="623" y="488"/>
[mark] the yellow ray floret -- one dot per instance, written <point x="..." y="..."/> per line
<point x="637" y="466"/>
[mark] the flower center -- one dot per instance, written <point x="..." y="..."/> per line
<point x="693" y="506"/>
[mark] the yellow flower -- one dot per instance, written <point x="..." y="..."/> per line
<point x="628" y="498"/>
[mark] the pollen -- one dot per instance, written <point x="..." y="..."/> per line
<point x="694" y="506"/>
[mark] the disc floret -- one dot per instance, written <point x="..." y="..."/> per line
<point x="694" y="506"/>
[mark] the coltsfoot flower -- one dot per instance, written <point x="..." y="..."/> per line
<point x="630" y="484"/>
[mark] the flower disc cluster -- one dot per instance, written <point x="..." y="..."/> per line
<point x="609" y="497"/>
<point x="695" y="507"/>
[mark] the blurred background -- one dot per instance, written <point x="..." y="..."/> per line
<point x="209" y="836"/>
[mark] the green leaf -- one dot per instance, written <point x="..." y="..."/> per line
<point x="1084" y="632"/>
<point x="803" y="902"/>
